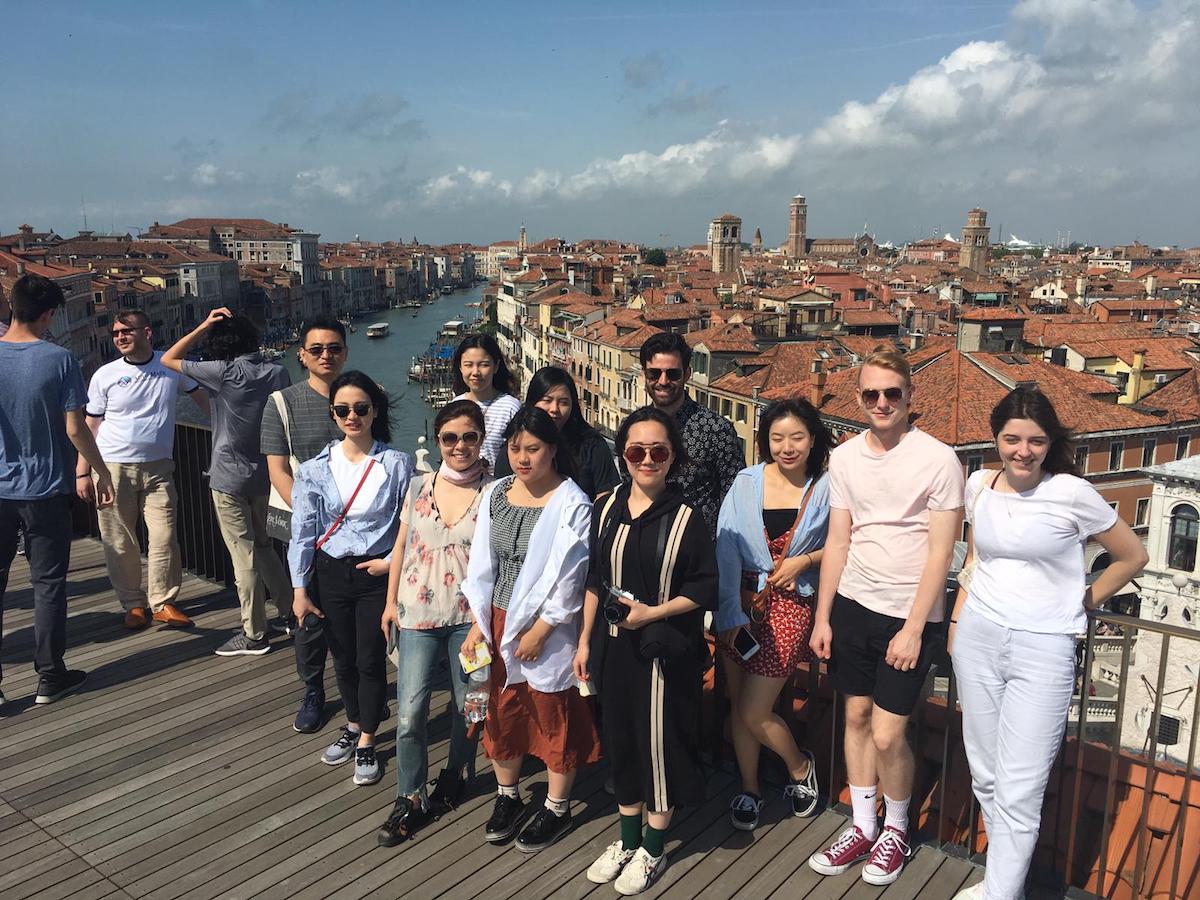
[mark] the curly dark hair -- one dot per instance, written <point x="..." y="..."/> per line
<point x="381" y="429"/>
<point x="665" y="342"/>
<point x="230" y="338"/>
<point x="798" y="408"/>
<point x="652" y="414"/>
<point x="1028" y="402"/>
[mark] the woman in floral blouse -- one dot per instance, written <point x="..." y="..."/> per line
<point x="427" y="607"/>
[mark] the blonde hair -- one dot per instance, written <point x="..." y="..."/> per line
<point x="887" y="357"/>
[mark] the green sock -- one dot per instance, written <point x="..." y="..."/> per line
<point x="631" y="832"/>
<point x="654" y="840"/>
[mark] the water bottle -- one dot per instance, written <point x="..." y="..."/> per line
<point x="475" y="704"/>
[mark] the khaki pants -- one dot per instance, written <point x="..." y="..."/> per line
<point x="257" y="569"/>
<point x="146" y="490"/>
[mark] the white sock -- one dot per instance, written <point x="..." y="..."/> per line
<point x="862" y="802"/>
<point x="896" y="813"/>
<point x="558" y="807"/>
<point x="509" y="790"/>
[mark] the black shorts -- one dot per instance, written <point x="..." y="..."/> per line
<point x="858" y="659"/>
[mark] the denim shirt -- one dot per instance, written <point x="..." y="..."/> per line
<point x="316" y="503"/>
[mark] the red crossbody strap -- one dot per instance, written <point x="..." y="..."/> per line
<point x="349" y="503"/>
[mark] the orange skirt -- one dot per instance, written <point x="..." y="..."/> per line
<point x="557" y="728"/>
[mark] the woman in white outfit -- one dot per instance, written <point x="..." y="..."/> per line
<point x="1014" y="627"/>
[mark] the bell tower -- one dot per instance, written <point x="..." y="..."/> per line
<point x="797" y="242"/>
<point x="973" y="253"/>
<point x="725" y="243"/>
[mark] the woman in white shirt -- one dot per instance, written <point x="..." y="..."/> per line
<point x="1014" y="625"/>
<point x="480" y="374"/>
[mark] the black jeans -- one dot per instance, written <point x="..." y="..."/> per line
<point x="47" y="526"/>
<point x="353" y="604"/>
<point x="311" y="647"/>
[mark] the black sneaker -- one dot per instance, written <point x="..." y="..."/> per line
<point x="543" y="829"/>
<point x="405" y="819"/>
<point x="506" y="815"/>
<point x="51" y="689"/>
<point x="448" y="790"/>
<point x="744" y="810"/>
<point x="311" y="712"/>
<point x="803" y="794"/>
<point x="282" y="626"/>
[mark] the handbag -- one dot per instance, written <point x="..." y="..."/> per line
<point x="967" y="572"/>
<point x="755" y="603"/>
<point x="279" y="508"/>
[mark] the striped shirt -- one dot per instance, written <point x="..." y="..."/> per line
<point x="497" y="413"/>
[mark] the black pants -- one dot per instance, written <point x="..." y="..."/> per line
<point x="353" y="604"/>
<point x="311" y="647"/>
<point x="47" y="527"/>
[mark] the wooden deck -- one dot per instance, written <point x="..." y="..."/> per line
<point x="176" y="774"/>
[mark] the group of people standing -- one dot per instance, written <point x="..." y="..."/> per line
<point x="535" y="571"/>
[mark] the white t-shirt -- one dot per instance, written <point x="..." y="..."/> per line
<point x="137" y="402"/>
<point x="889" y="496"/>
<point x="496" y="416"/>
<point x="347" y="475"/>
<point x="1029" y="547"/>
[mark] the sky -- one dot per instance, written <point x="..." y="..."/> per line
<point x="636" y="121"/>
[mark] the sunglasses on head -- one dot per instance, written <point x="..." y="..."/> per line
<point x="449" y="439"/>
<point x="672" y="374"/>
<point x="870" y="396"/>
<point x="319" y="349"/>
<point x="636" y="453"/>
<point x="341" y="410"/>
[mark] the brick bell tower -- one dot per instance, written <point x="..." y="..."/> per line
<point x="797" y="242"/>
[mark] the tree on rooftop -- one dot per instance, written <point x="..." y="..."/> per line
<point x="655" y="257"/>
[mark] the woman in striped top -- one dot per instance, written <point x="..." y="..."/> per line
<point x="480" y="374"/>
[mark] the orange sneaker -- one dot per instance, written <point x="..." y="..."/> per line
<point x="138" y="617"/>
<point x="170" y="615"/>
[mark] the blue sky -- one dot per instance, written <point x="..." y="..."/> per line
<point x="639" y="121"/>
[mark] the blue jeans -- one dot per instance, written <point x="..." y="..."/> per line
<point x="421" y="650"/>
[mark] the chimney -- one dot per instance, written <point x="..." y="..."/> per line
<point x="816" y="390"/>
<point x="1136" y="376"/>
<point x="20" y="268"/>
<point x="916" y="341"/>
<point x="1151" y="285"/>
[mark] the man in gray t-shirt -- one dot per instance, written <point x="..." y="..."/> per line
<point x="239" y="383"/>
<point x="309" y="430"/>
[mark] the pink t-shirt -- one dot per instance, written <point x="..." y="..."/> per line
<point x="889" y="496"/>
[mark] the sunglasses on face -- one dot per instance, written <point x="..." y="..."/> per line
<point x="449" y="439"/>
<point x="320" y="349"/>
<point x="656" y="374"/>
<point x="341" y="410"/>
<point x="636" y="453"/>
<point x="122" y="332"/>
<point x="870" y="396"/>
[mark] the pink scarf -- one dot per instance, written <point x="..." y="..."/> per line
<point x="467" y="476"/>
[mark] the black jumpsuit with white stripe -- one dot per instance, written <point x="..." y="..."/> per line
<point x="650" y="706"/>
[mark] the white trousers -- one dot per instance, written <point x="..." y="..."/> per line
<point x="1015" y="688"/>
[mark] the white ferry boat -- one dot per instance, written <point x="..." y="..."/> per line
<point x="378" y="330"/>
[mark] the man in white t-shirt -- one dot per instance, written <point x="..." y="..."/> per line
<point x="131" y="411"/>
<point x="895" y="497"/>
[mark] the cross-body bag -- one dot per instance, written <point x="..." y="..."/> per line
<point x="755" y="603"/>
<point x="345" y="509"/>
<point x="967" y="572"/>
<point x="279" y="508"/>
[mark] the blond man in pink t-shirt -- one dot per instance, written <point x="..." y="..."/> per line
<point x="895" y="497"/>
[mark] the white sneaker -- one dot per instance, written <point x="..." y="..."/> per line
<point x="640" y="873"/>
<point x="974" y="892"/>
<point x="610" y="864"/>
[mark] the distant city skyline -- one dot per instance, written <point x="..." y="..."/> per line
<point x="633" y="123"/>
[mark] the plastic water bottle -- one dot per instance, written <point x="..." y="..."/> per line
<point x="475" y="704"/>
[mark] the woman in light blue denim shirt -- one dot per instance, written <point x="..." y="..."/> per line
<point x="345" y="516"/>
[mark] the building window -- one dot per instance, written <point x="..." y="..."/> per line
<point x="726" y="407"/>
<point x="1148" y="446"/>
<point x="1185" y="525"/>
<point x="1081" y="459"/>
<point x="1181" y="446"/>
<point x="1116" y="450"/>
<point x="741" y="412"/>
<point x="1143" y="512"/>
<point x="974" y="464"/>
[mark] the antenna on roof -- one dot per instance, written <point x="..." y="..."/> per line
<point x="83" y="208"/>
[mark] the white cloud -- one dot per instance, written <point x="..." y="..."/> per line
<point x="329" y="181"/>
<point x="463" y="184"/>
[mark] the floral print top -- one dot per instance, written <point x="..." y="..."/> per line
<point x="435" y="560"/>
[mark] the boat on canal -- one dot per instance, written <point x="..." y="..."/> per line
<point x="378" y="330"/>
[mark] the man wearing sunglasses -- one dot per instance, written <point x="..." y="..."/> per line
<point x="296" y="426"/>
<point x="131" y="411"/>
<point x="895" y="497"/>
<point x="711" y="444"/>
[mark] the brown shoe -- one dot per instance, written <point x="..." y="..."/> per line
<point x="138" y="617"/>
<point x="170" y="615"/>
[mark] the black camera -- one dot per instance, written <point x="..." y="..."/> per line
<point x="615" y="612"/>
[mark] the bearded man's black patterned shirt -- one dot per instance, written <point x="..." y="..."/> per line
<point x="715" y="459"/>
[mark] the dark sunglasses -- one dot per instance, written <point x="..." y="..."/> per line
<point x="449" y="439"/>
<point x="636" y="453"/>
<point x="656" y="374"/>
<point x="341" y="410"/>
<point x="121" y="332"/>
<point x="319" y="349"/>
<point x="870" y="396"/>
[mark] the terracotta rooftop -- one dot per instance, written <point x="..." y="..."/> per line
<point x="724" y="339"/>
<point x="993" y="314"/>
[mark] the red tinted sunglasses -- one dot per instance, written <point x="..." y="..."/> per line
<point x="636" y="453"/>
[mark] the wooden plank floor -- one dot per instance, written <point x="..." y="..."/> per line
<point x="175" y="775"/>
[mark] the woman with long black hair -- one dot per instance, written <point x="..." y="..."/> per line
<point x="480" y="374"/>
<point x="553" y="390"/>
<point x="345" y="515"/>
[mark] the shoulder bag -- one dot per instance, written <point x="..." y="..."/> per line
<point x="756" y="603"/>
<point x="279" y="508"/>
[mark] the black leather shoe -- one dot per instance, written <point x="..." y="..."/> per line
<point x="543" y="830"/>
<point x="506" y="816"/>
<point x="448" y="790"/>
<point x="405" y="819"/>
